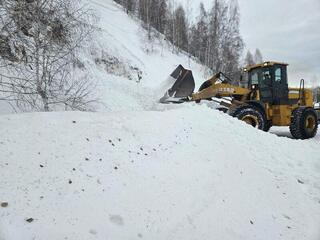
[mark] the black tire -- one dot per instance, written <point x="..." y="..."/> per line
<point x="251" y="115"/>
<point x="222" y="109"/>
<point x="304" y="123"/>
<point x="267" y="126"/>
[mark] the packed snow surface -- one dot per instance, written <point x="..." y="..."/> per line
<point x="188" y="173"/>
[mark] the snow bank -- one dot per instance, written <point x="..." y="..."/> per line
<point x="189" y="173"/>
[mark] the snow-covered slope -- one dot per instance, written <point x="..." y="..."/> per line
<point x="154" y="175"/>
<point x="127" y="69"/>
<point x="122" y="37"/>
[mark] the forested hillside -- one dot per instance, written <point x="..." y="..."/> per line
<point x="213" y="37"/>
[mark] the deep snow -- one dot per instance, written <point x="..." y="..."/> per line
<point x="154" y="175"/>
<point x="141" y="170"/>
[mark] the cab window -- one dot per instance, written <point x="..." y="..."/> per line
<point x="266" y="78"/>
<point x="255" y="77"/>
<point x="278" y="75"/>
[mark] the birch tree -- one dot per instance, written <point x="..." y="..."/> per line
<point x="249" y="59"/>
<point x="258" y="56"/>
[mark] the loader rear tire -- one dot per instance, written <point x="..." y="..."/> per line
<point x="304" y="123"/>
<point x="251" y="115"/>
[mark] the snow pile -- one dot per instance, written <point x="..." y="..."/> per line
<point x="189" y="173"/>
<point x="142" y="170"/>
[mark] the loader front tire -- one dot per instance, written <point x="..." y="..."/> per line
<point x="251" y="115"/>
<point x="267" y="126"/>
<point x="304" y="123"/>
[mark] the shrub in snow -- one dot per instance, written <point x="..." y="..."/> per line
<point x="39" y="43"/>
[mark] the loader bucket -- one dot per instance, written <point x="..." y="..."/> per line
<point x="182" y="87"/>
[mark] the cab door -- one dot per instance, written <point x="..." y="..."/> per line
<point x="280" y="85"/>
<point x="265" y="85"/>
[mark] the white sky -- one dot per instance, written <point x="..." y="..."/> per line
<point x="284" y="30"/>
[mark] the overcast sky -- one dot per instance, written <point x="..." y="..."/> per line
<point x="284" y="30"/>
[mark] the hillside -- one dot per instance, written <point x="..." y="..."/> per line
<point x="120" y="58"/>
<point x="122" y="42"/>
<point x="136" y="169"/>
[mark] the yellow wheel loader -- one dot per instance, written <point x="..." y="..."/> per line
<point x="262" y="100"/>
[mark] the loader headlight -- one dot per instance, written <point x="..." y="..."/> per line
<point x="253" y="87"/>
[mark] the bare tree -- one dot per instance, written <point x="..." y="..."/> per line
<point x="232" y="43"/>
<point x="130" y="5"/>
<point x="199" y="35"/>
<point x="188" y="22"/>
<point x="249" y="59"/>
<point x="258" y="56"/>
<point x="39" y="43"/>
<point x="224" y="44"/>
<point x="214" y="38"/>
<point x="181" y="36"/>
<point x="162" y="16"/>
<point x="170" y="29"/>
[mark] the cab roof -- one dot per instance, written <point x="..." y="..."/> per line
<point x="264" y="64"/>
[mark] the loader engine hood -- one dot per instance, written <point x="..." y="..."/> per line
<point x="182" y="88"/>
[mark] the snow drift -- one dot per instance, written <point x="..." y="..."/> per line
<point x="154" y="175"/>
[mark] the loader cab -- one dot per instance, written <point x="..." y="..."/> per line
<point x="270" y="79"/>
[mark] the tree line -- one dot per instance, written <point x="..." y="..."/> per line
<point x="255" y="58"/>
<point x="213" y="37"/>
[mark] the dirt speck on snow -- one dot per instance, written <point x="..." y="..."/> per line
<point x="300" y="181"/>
<point x="4" y="204"/>
<point x="116" y="219"/>
<point x="29" y="220"/>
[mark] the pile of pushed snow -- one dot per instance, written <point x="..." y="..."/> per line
<point x="188" y="173"/>
<point x="191" y="173"/>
